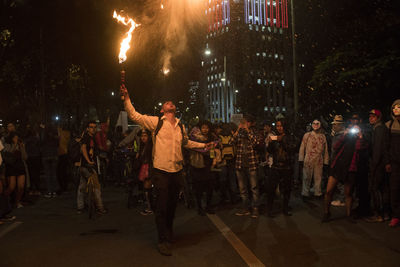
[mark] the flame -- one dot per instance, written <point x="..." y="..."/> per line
<point x="125" y="44"/>
<point x="165" y="71"/>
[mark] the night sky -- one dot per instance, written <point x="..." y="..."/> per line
<point x="41" y="40"/>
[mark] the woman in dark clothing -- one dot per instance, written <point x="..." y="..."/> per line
<point x="200" y="167"/>
<point x="32" y="141"/>
<point x="49" y="151"/>
<point x="15" y="168"/>
<point x="344" y="167"/>
<point x="144" y="158"/>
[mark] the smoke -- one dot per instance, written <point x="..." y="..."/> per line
<point x="166" y="31"/>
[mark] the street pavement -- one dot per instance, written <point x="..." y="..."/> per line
<point x="51" y="233"/>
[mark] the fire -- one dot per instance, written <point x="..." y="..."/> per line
<point x="165" y="71"/>
<point x="125" y="44"/>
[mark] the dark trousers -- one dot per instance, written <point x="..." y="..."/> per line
<point x="167" y="187"/>
<point x="63" y="167"/>
<point x="283" y="178"/>
<point x="362" y="192"/>
<point x="379" y="191"/>
<point x="202" y="182"/>
<point x="395" y="190"/>
<point x="34" y="164"/>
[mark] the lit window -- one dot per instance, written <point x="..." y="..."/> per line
<point x="264" y="54"/>
<point x="283" y="83"/>
<point x="259" y="81"/>
<point x="257" y="54"/>
<point x="276" y="56"/>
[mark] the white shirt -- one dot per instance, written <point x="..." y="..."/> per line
<point x="168" y="144"/>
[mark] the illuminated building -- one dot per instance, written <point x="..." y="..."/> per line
<point x="247" y="56"/>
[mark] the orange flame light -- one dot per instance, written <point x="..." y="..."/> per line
<point x="125" y="44"/>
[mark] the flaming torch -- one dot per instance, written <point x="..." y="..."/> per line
<point x="125" y="44"/>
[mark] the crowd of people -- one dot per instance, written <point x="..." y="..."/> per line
<point x="208" y="165"/>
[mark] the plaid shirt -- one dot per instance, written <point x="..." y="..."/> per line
<point x="244" y="144"/>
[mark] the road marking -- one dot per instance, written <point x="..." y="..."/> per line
<point x="236" y="243"/>
<point x="9" y="228"/>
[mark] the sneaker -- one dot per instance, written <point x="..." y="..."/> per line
<point x="394" y="222"/>
<point x="8" y="218"/>
<point x="255" y="213"/>
<point x="79" y="211"/>
<point x="53" y="194"/>
<point x="146" y="212"/>
<point x="338" y="203"/>
<point x="242" y="213"/>
<point x="164" y="249"/>
<point x="48" y="195"/>
<point x="101" y="211"/>
<point x="374" y="219"/>
<point x="19" y="205"/>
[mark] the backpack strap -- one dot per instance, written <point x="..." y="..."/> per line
<point x="158" y="127"/>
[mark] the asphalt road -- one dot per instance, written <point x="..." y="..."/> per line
<point x="51" y="233"/>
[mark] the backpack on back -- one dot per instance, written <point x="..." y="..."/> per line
<point x="227" y="150"/>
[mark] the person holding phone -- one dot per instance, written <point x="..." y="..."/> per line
<point x="246" y="164"/>
<point x="344" y="167"/>
<point x="281" y="147"/>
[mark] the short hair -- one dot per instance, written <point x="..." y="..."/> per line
<point x="91" y="122"/>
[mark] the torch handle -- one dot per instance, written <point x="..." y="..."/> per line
<point x="122" y="82"/>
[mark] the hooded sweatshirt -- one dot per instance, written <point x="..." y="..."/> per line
<point x="393" y="146"/>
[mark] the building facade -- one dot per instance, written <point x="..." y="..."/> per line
<point x="247" y="58"/>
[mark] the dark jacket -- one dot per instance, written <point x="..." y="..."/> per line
<point x="392" y="152"/>
<point x="283" y="152"/>
<point x="377" y="146"/>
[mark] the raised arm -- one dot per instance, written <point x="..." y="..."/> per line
<point x="148" y="122"/>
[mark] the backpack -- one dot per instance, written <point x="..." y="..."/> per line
<point x="227" y="150"/>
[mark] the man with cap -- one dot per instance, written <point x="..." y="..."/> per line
<point x="314" y="153"/>
<point x="378" y="184"/>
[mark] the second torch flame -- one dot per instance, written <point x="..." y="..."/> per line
<point x="125" y="44"/>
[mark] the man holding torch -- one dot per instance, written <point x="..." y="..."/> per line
<point x="169" y="137"/>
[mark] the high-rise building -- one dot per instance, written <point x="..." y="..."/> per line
<point x="247" y="58"/>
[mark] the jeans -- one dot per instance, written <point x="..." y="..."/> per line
<point x="50" y="173"/>
<point x="167" y="187"/>
<point x="245" y="176"/>
<point x="86" y="172"/>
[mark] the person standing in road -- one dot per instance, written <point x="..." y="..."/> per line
<point x="281" y="147"/>
<point x="392" y="160"/>
<point x="246" y="165"/>
<point x="169" y="136"/>
<point x="88" y="168"/>
<point x="378" y="182"/>
<point x="313" y="154"/>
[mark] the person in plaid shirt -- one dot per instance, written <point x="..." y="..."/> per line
<point x="245" y="139"/>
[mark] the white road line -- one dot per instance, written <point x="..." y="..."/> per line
<point x="236" y="243"/>
<point x="9" y="228"/>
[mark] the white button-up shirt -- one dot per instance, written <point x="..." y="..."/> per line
<point x="168" y="144"/>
